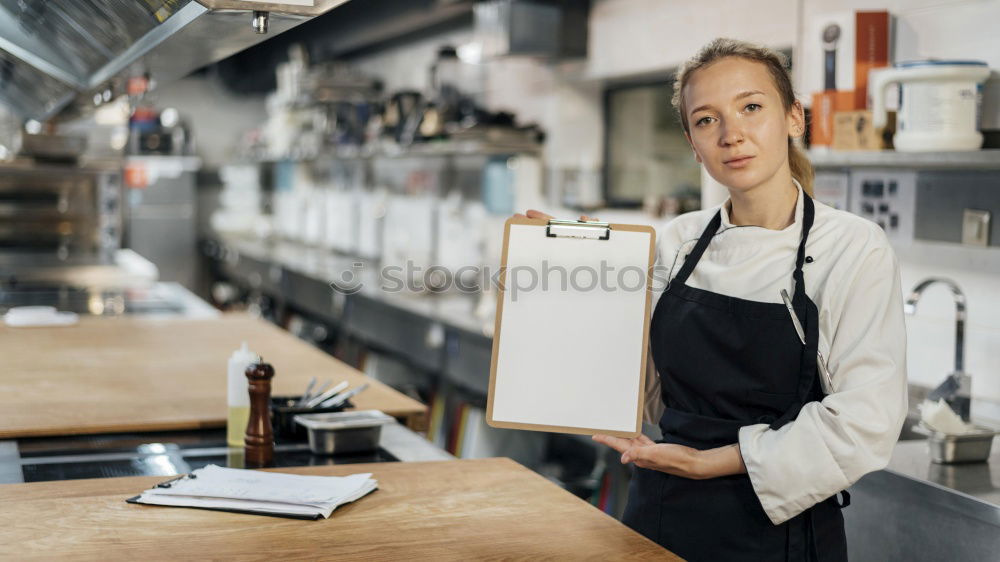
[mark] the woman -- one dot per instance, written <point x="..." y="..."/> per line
<point x="754" y="451"/>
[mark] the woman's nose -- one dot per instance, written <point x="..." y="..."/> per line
<point x="731" y="135"/>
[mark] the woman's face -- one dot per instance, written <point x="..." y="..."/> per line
<point x="738" y="127"/>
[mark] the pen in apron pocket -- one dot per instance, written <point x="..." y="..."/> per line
<point x="824" y="375"/>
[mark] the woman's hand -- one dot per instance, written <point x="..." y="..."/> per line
<point x="533" y="214"/>
<point x="677" y="459"/>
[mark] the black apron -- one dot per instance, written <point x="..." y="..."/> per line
<point x="724" y="363"/>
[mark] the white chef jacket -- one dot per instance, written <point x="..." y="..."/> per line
<point x="854" y="281"/>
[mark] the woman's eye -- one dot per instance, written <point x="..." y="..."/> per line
<point x="702" y="121"/>
<point x="756" y="106"/>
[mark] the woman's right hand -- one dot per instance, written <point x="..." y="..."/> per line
<point x="533" y="214"/>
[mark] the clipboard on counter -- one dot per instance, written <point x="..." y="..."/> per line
<point x="572" y="326"/>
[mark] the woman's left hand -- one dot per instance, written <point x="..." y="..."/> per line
<point x="665" y="457"/>
<point x="677" y="459"/>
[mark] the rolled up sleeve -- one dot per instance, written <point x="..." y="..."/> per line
<point x="833" y="443"/>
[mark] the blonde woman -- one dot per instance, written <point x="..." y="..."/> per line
<point x="755" y="451"/>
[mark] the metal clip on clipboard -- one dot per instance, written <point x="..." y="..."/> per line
<point x="593" y="230"/>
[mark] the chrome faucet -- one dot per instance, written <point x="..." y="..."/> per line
<point x="956" y="389"/>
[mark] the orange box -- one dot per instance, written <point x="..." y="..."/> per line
<point x="871" y="50"/>
<point x="824" y="105"/>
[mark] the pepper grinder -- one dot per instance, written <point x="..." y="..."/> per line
<point x="259" y="440"/>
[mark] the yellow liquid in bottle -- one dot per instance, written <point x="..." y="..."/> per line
<point x="236" y="425"/>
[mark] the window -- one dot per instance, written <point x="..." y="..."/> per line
<point x="648" y="161"/>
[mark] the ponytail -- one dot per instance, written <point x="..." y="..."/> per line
<point x="801" y="167"/>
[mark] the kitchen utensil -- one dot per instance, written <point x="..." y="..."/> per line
<point x="966" y="448"/>
<point x="824" y="375"/>
<point x="344" y="432"/>
<point x="283" y="412"/>
<point x="340" y="398"/>
<point x="938" y="103"/>
<point x="319" y="398"/>
<point x="305" y="395"/>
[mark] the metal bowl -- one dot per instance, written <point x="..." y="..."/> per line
<point x="966" y="448"/>
<point x="344" y="432"/>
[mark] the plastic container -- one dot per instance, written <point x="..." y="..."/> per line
<point x="344" y="432"/>
<point x="238" y="397"/>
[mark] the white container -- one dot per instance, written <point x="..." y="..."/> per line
<point x="238" y="396"/>
<point x="938" y="104"/>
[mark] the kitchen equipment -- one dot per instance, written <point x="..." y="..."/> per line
<point x="969" y="447"/>
<point x="59" y="213"/>
<point x="938" y="103"/>
<point x="831" y="36"/>
<point x="55" y="53"/>
<point x="344" y="432"/>
<point x="53" y="148"/>
<point x="339" y="399"/>
<point x="306" y="395"/>
<point x="258" y="448"/>
<point x="323" y="395"/>
<point x="956" y="390"/>
<point x="285" y="408"/>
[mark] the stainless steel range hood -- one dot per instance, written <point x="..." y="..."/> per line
<point x="52" y="53"/>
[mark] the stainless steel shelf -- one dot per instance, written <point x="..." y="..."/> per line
<point x="431" y="149"/>
<point x="988" y="159"/>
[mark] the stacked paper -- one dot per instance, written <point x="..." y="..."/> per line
<point x="233" y="489"/>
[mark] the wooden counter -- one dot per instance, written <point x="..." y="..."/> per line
<point x="142" y="374"/>
<point x="451" y="510"/>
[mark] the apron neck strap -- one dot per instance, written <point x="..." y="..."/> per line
<point x="808" y="214"/>
<point x="692" y="259"/>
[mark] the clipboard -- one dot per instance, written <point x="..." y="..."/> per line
<point x="569" y="349"/>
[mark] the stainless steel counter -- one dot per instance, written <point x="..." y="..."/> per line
<point x="980" y="481"/>
<point x="172" y="453"/>
<point x="918" y="510"/>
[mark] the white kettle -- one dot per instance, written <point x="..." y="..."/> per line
<point x="938" y="103"/>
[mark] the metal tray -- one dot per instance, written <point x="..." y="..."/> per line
<point x="965" y="448"/>
<point x="344" y="432"/>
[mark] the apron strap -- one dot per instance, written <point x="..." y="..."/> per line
<point x="808" y="316"/>
<point x="808" y="214"/>
<point x="692" y="259"/>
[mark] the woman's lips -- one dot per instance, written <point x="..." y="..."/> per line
<point x="739" y="162"/>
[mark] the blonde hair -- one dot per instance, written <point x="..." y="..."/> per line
<point x="777" y="67"/>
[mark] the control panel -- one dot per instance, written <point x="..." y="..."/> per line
<point x="887" y="198"/>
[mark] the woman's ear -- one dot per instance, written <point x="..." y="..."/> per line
<point x="697" y="157"/>
<point x="796" y="120"/>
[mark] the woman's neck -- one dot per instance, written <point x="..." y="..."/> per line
<point x="771" y="208"/>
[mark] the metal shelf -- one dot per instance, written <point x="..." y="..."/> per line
<point x="988" y="159"/>
<point x="464" y="147"/>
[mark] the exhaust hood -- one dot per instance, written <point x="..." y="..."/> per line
<point x="55" y="53"/>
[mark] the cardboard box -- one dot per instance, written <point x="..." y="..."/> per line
<point x="871" y="50"/>
<point x="853" y="130"/>
<point x="824" y="106"/>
